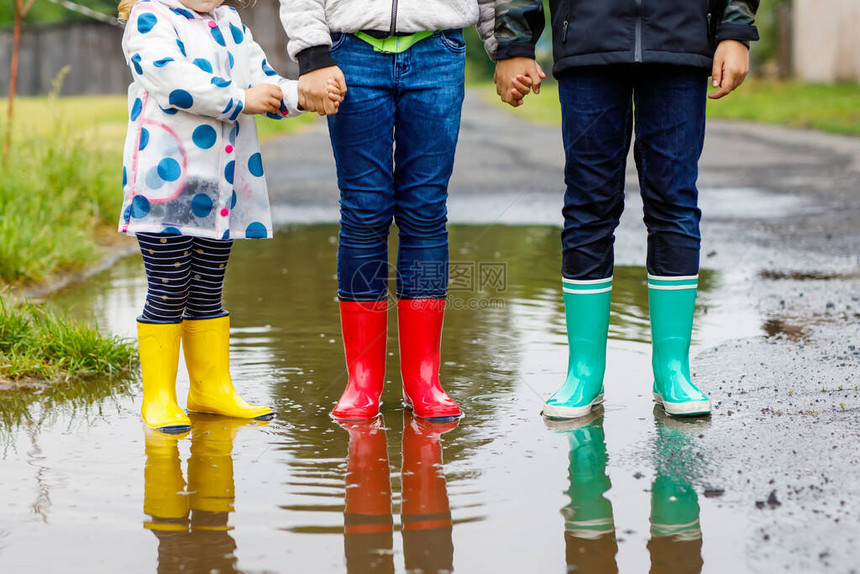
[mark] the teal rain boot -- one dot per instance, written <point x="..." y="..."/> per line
<point x="586" y="305"/>
<point x="671" y="302"/>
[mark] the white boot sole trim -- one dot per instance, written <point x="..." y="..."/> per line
<point x="560" y="412"/>
<point x="686" y="408"/>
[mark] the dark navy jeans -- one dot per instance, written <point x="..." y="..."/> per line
<point x="394" y="138"/>
<point x="602" y="107"/>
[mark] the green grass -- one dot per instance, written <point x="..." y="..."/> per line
<point x="829" y="108"/>
<point x="58" y="192"/>
<point x="37" y="345"/>
<point x="60" y="186"/>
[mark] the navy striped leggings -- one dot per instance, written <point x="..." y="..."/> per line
<point x="185" y="277"/>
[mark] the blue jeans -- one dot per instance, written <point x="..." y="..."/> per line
<point x="394" y="138"/>
<point x="598" y="116"/>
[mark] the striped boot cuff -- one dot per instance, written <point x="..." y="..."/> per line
<point x="673" y="283"/>
<point x="586" y="287"/>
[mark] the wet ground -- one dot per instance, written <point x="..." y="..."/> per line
<point x="768" y="483"/>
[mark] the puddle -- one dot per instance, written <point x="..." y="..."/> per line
<point x="498" y="492"/>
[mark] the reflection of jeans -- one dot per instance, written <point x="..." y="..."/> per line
<point x="394" y="138"/>
<point x="597" y="121"/>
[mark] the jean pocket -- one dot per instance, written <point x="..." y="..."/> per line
<point x="337" y="40"/>
<point x="453" y="40"/>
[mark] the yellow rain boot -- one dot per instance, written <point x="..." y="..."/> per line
<point x="159" y="359"/>
<point x="164" y="496"/>
<point x="206" y="344"/>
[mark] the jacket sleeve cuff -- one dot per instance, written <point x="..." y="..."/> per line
<point x="290" y="103"/>
<point x="741" y="32"/>
<point x="314" y="58"/>
<point x="508" y="50"/>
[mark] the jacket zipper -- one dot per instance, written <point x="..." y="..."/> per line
<point x="566" y="24"/>
<point x="393" y="29"/>
<point x="637" y="54"/>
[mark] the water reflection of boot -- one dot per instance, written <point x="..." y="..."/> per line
<point x="165" y="499"/>
<point x="589" y="524"/>
<point x="368" y="523"/>
<point x="426" y="514"/>
<point x="676" y="536"/>
<point x="211" y="548"/>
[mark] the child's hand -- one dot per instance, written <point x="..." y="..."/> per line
<point x="731" y="64"/>
<point x="315" y="92"/>
<point x="516" y="77"/>
<point x="263" y="98"/>
<point x="335" y="92"/>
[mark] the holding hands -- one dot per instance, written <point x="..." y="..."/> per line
<point x="262" y="99"/>
<point x="517" y="77"/>
<point x="322" y="90"/>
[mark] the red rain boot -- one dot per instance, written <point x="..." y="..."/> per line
<point x="364" y="325"/>
<point x="426" y="513"/>
<point x="368" y="522"/>
<point x="419" y="325"/>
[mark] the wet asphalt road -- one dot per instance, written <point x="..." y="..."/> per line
<point x="785" y="429"/>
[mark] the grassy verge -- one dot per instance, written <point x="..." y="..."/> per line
<point x="37" y="345"/>
<point x="60" y="185"/>
<point x="829" y="108"/>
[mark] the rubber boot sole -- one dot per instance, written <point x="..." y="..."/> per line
<point x="686" y="409"/>
<point x="561" y="413"/>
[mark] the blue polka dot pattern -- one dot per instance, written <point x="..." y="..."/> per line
<point x="169" y="169"/>
<point x="219" y="37"/>
<point x="125" y="177"/>
<point x="255" y="165"/>
<point x="267" y="69"/>
<point x="170" y="111"/>
<point x="201" y="205"/>
<point x="203" y="64"/>
<point x="162" y="62"/>
<point x="153" y="180"/>
<point x="181" y="47"/>
<point x="170" y="230"/>
<point x="230" y="171"/>
<point x="146" y="22"/>
<point x="233" y="200"/>
<point x="139" y="206"/>
<point x="256" y="231"/>
<point x="226" y="236"/>
<point x="181" y="99"/>
<point x="221" y="82"/>
<point x="233" y="133"/>
<point x="231" y="59"/>
<point x="229" y="105"/>
<point x="135" y="63"/>
<point x="204" y="136"/>
<point x="238" y="36"/>
<point x="136" y="108"/>
<point x="126" y="214"/>
<point x="239" y="107"/>
<point x="144" y="138"/>
<point x="183" y="12"/>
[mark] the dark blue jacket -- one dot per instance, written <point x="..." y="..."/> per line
<point x="600" y="32"/>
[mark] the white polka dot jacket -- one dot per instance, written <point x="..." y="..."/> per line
<point x="192" y="163"/>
